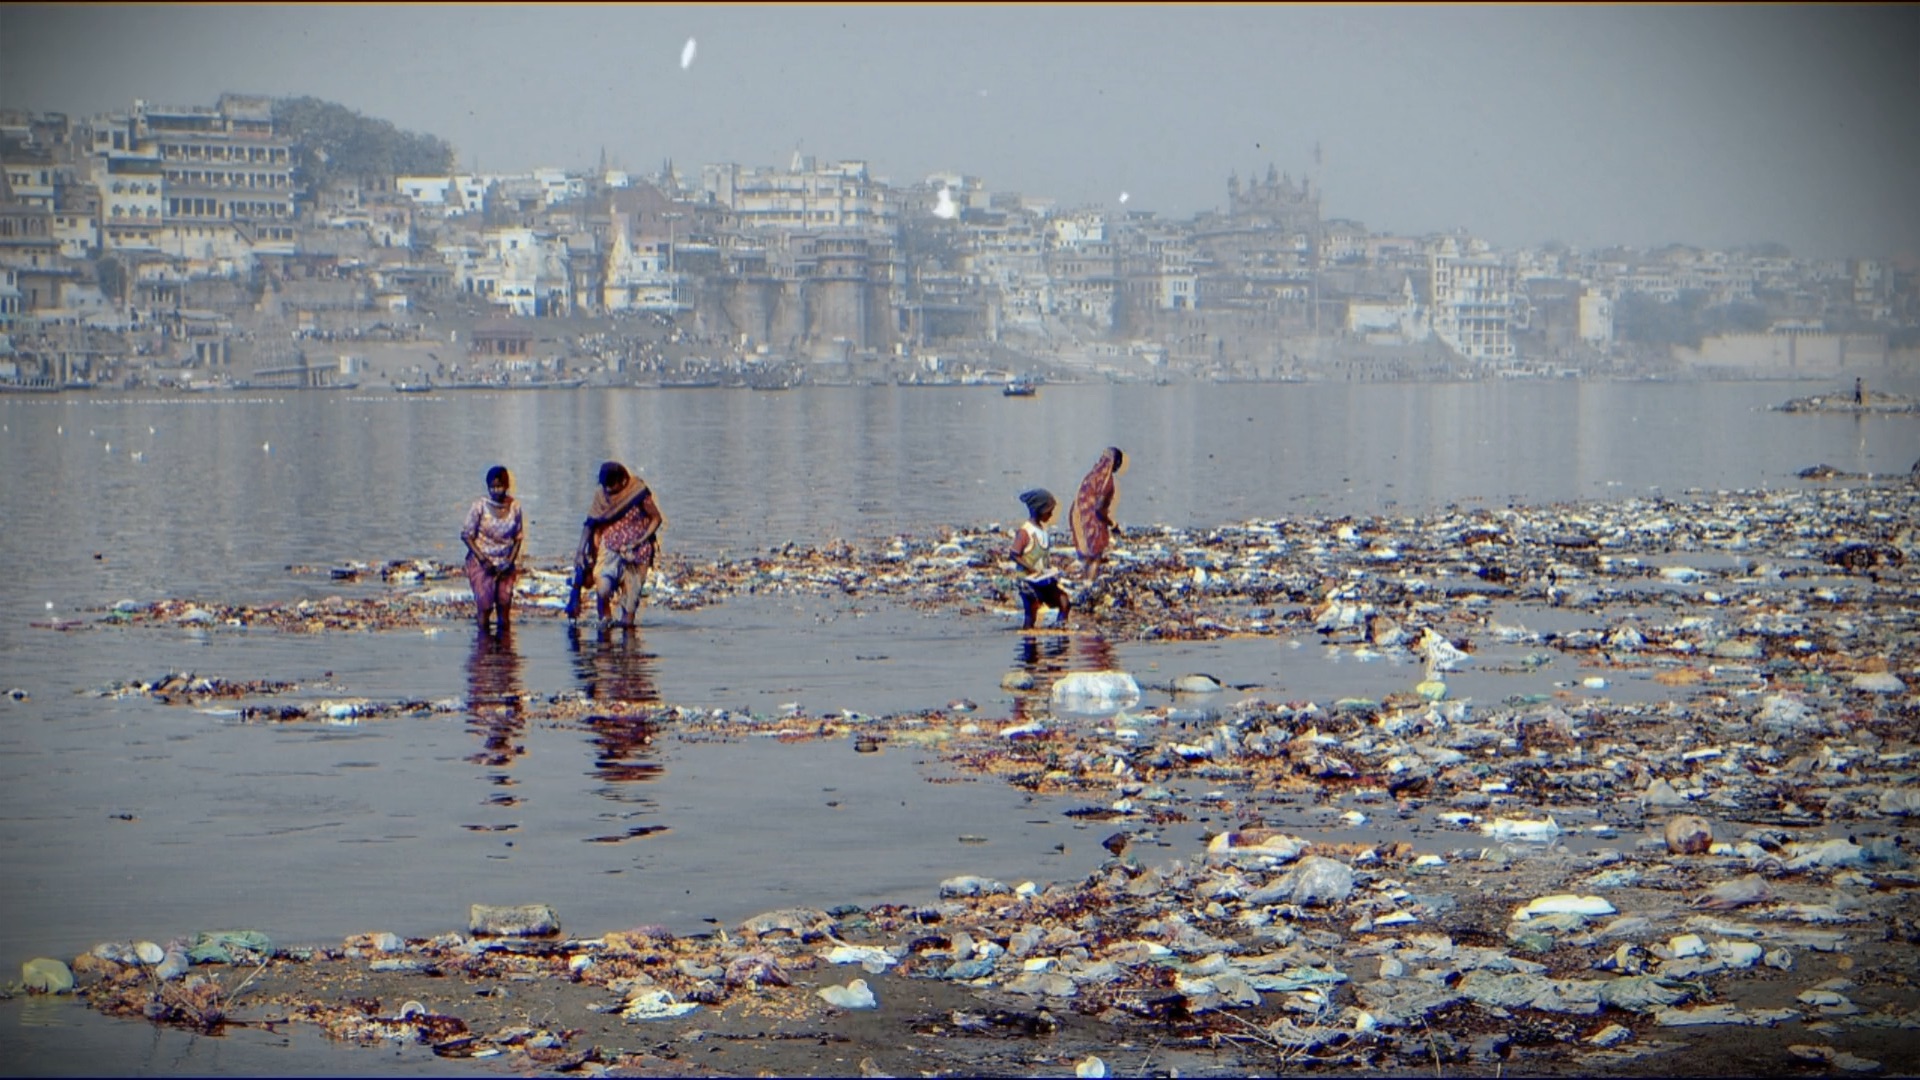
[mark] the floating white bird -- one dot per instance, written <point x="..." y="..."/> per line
<point x="686" y="55"/>
<point x="267" y="446"/>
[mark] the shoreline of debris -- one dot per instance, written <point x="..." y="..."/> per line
<point x="1574" y="884"/>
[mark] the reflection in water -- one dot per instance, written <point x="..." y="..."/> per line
<point x="494" y="707"/>
<point x="613" y="666"/>
<point x="1093" y="652"/>
<point x="1046" y="657"/>
<point x="616" y="673"/>
<point x="1043" y="658"/>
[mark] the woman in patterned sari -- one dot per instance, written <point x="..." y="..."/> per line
<point x="493" y="535"/>
<point x="1092" y="517"/>
<point x="625" y="524"/>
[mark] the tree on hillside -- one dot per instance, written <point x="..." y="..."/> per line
<point x="334" y="142"/>
<point x="113" y="278"/>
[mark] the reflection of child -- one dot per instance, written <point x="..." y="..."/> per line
<point x="1040" y="583"/>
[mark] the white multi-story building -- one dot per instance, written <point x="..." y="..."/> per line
<point x="514" y="270"/>
<point x="222" y="163"/>
<point x="131" y="201"/>
<point x="1078" y="229"/>
<point x="804" y="197"/>
<point x="1472" y="300"/>
<point x="1007" y="256"/>
<point x="1596" y="318"/>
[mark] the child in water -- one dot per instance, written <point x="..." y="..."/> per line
<point x="1039" y="582"/>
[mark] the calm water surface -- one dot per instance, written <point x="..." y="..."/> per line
<point x="188" y="493"/>
<point x="126" y="819"/>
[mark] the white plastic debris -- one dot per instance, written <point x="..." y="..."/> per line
<point x="656" y="1005"/>
<point x="872" y="957"/>
<point x="1536" y="831"/>
<point x="1685" y="945"/>
<point x="1564" y="904"/>
<point x="854" y="995"/>
<point x="1095" y="692"/>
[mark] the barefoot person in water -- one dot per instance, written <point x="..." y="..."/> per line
<point x="493" y="535"/>
<point x="1092" y="518"/>
<point x="625" y="525"/>
<point x="1032" y="554"/>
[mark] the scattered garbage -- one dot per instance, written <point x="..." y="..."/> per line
<point x="1746" y="792"/>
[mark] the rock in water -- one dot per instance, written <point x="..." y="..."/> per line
<point x="525" y="920"/>
<point x="1688" y="834"/>
<point x="47" y="976"/>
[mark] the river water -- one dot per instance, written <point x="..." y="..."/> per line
<point x="122" y="819"/>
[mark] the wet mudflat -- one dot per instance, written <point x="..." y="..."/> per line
<point x="1621" y="788"/>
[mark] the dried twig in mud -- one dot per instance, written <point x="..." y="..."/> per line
<point x="1151" y="1050"/>
<point x="234" y="995"/>
<point x="1264" y="1036"/>
<point x="1431" y="1045"/>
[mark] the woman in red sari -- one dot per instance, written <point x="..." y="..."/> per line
<point x="1092" y="517"/>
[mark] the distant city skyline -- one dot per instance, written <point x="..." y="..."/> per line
<point x="1715" y="126"/>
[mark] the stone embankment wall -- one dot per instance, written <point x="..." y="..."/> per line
<point x="1798" y="355"/>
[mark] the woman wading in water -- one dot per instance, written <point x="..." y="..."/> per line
<point x="493" y="535"/>
<point x="624" y="526"/>
<point x="1092" y="517"/>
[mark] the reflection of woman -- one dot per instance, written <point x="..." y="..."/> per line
<point x="613" y="673"/>
<point x="1092" y="519"/>
<point x="494" y="697"/>
<point x="493" y="535"/>
<point x="617" y="676"/>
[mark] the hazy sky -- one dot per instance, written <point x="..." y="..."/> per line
<point x="1711" y="125"/>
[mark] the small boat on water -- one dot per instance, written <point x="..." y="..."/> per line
<point x="1019" y="388"/>
<point x="413" y="388"/>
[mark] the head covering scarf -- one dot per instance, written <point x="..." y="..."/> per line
<point x="1092" y="517"/>
<point x="1038" y="500"/>
<point x="606" y="507"/>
